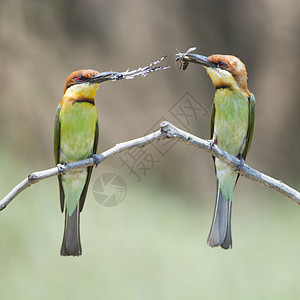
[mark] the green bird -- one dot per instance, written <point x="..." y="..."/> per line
<point x="231" y="128"/>
<point x="76" y="137"/>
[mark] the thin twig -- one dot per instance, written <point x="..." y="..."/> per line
<point x="167" y="131"/>
<point x="143" y="71"/>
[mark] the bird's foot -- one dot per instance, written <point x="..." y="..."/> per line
<point x="96" y="159"/>
<point x="242" y="162"/>
<point x="211" y="144"/>
<point x="61" y="168"/>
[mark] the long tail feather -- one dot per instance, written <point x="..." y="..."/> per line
<point x="71" y="241"/>
<point x="220" y="231"/>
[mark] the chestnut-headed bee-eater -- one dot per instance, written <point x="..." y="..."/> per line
<point x="231" y="128"/>
<point x="75" y="138"/>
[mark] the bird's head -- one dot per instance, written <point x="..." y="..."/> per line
<point x="224" y="70"/>
<point x="83" y="84"/>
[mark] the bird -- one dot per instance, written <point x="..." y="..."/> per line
<point x="76" y="135"/>
<point x="231" y="128"/>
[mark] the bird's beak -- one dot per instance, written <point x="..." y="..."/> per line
<point x="195" y="58"/>
<point x="104" y="76"/>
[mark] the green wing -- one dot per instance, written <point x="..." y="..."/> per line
<point x="212" y="126"/>
<point x="250" y="131"/>
<point x="56" y="142"/>
<point x="89" y="170"/>
<point x="250" y="125"/>
<point x="212" y="120"/>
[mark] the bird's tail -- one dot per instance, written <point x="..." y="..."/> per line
<point x="71" y="241"/>
<point x="220" y="231"/>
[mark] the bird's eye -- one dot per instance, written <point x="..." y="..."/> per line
<point x="221" y="64"/>
<point x="79" y="78"/>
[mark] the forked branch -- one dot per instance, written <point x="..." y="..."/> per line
<point x="166" y="131"/>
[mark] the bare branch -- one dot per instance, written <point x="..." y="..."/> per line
<point x="167" y="131"/>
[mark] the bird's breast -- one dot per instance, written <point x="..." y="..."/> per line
<point x="78" y="126"/>
<point x="231" y="120"/>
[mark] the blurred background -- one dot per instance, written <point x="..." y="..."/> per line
<point x="152" y="245"/>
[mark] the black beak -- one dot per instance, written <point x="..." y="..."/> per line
<point x="104" y="76"/>
<point x="194" y="58"/>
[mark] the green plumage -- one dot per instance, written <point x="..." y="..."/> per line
<point x="232" y="125"/>
<point x="75" y="138"/>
